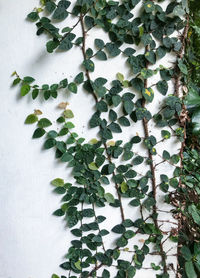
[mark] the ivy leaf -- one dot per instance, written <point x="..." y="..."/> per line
<point x="192" y="209"/>
<point x="72" y="87"/>
<point x="31" y="119"/>
<point x="151" y="57"/>
<point x="149" y="203"/>
<point x="51" y="45"/>
<point x="166" y="155"/>
<point x="148" y="94"/>
<point x="106" y="274"/>
<point x="185" y="251"/>
<point x="60" y="13"/>
<point x="149" y="6"/>
<point x="33" y="16"/>
<point x="65" y="44"/>
<point x="109" y="198"/>
<point x="25" y="89"/>
<point x="182" y="67"/>
<point x="44" y="122"/>
<point x="79" y="78"/>
<point x="118" y="229"/>
<point x="54" y="275"/>
<point x="89" y="65"/>
<point x="189" y="269"/>
<point x="68" y="114"/>
<point x="101" y="55"/>
<point x="128" y="106"/>
<point x="58" y="182"/>
<point x="99" y="43"/>
<point x="50" y="7"/>
<point x="162" y="87"/>
<point x="39" y="132"/>
<point x="28" y="79"/>
<point x="115" y="128"/>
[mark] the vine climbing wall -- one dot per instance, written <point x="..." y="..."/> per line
<point x="102" y="85"/>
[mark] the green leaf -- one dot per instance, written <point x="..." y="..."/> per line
<point x="79" y="78"/>
<point x="189" y="269"/>
<point x="28" y="79"/>
<point x="51" y="45"/>
<point x="120" y="77"/>
<point x="78" y="265"/>
<point x="49" y="143"/>
<point x="185" y="251"/>
<point x="31" y="119"/>
<point x="123" y="187"/>
<point x="101" y="55"/>
<point x="149" y="6"/>
<point x="149" y="203"/>
<point x="135" y="203"/>
<point x="162" y="87"/>
<point x="112" y="49"/>
<point x="166" y="155"/>
<point x="128" y="106"/>
<point x="50" y="7"/>
<point x="148" y="94"/>
<point x="65" y="44"/>
<point x="93" y="166"/>
<point x="115" y="128"/>
<point x="118" y="229"/>
<point x="39" y="132"/>
<point x="99" y="43"/>
<point x="68" y="114"/>
<point x="58" y="182"/>
<point x="89" y="65"/>
<point x="106" y="274"/>
<point x="138" y="160"/>
<point x="72" y="87"/>
<point x="88" y="213"/>
<point x="25" y="89"/>
<point x="66" y="157"/>
<point x="151" y="57"/>
<point x="182" y="67"/>
<point x="122" y="241"/>
<point x="60" y="13"/>
<point x="33" y="16"/>
<point x="54" y="275"/>
<point x="109" y="198"/>
<point x="44" y="122"/>
<point x="165" y="134"/>
<point x="196" y="121"/>
<point x="193" y="97"/>
<point x="59" y="212"/>
<point x="192" y="209"/>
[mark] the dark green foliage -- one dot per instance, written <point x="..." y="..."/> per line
<point x="118" y="104"/>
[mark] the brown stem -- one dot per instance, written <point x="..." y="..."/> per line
<point x="153" y="179"/>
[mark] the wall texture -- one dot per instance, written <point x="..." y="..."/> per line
<point x="33" y="242"/>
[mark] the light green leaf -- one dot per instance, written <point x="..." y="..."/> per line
<point x="58" y="182"/>
<point x="109" y="198"/>
<point x="31" y="119"/>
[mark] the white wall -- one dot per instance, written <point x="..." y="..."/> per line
<point x="32" y="241"/>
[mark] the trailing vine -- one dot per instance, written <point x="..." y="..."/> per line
<point x="158" y="30"/>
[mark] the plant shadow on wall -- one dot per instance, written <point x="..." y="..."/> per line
<point x="104" y="161"/>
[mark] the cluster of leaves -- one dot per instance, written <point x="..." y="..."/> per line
<point x="189" y="194"/>
<point x="96" y="164"/>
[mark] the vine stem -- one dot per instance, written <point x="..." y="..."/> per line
<point x="153" y="179"/>
<point x="96" y="100"/>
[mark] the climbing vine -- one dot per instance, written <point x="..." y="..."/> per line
<point x="157" y="29"/>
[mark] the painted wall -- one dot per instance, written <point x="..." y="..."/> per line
<point x="32" y="241"/>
